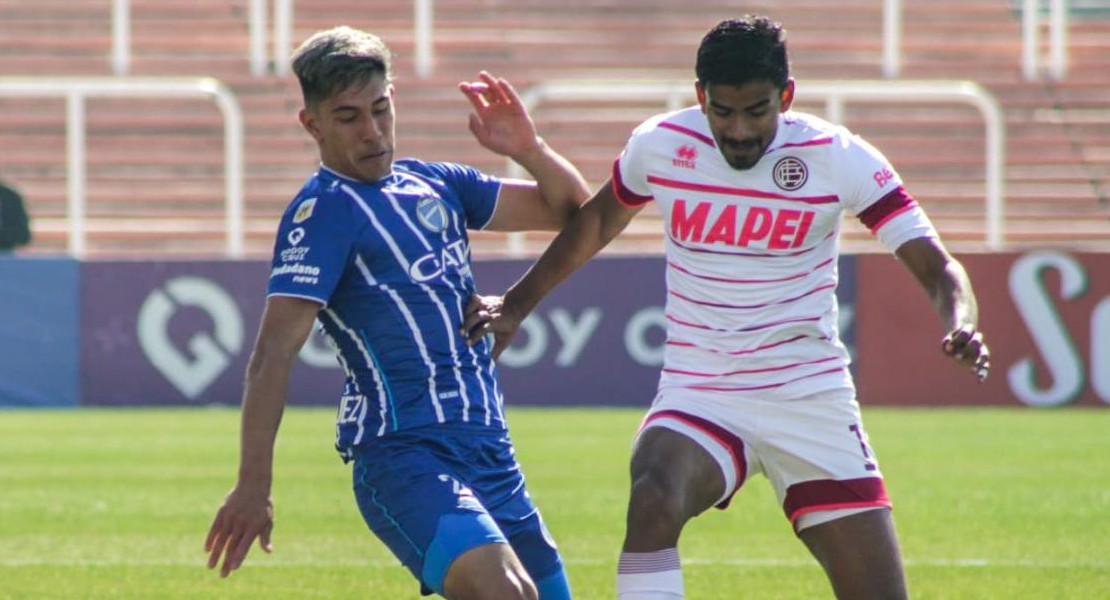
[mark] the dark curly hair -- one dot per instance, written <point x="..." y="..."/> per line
<point x="738" y="51"/>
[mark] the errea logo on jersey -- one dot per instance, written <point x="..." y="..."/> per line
<point x="686" y="157"/>
<point x="760" y="227"/>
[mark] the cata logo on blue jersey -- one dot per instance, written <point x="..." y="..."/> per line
<point x="432" y="214"/>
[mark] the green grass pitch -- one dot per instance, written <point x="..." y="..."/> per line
<point x="114" y="504"/>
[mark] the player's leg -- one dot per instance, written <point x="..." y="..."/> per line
<point x="816" y="454"/>
<point x="681" y="465"/>
<point x="411" y="498"/>
<point x="673" y="479"/>
<point x="499" y="483"/>
<point x="860" y="554"/>
<point x="489" y="572"/>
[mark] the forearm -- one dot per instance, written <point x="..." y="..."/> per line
<point x="263" y="405"/>
<point x="582" y="238"/>
<point x="953" y="299"/>
<point x="560" y="183"/>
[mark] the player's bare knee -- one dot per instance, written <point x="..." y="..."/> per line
<point x="510" y="586"/>
<point x="656" y="502"/>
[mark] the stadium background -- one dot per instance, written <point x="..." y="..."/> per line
<point x="154" y="314"/>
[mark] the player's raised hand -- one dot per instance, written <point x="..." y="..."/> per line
<point x="485" y="315"/>
<point x="966" y="346"/>
<point x="242" y="518"/>
<point x="500" y="122"/>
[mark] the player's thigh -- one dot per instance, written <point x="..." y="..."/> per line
<point x="816" y="455"/>
<point x="421" y="509"/>
<point x="693" y="446"/>
<point x="488" y="572"/>
<point x="672" y="467"/>
<point x="860" y="554"/>
<point x="498" y="481"/>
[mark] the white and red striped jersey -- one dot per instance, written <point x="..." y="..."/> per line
<point x="752" y="255"/>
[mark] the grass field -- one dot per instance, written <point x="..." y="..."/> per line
<point x="98" y="504"/>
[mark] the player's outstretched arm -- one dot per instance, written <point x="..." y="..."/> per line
<point x="600" y="220"/>
<point x="501" y="123"/>
<point x="247" y="512"/>
<point x="949" y="288"/>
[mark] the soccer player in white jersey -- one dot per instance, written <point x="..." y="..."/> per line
<point x="377" y="250"/>
<point x="755" y="379"/>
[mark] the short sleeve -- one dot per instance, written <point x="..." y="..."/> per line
<point x="630" y="170"/>
<point x="869" y="186"/>
<point x="314" y="243"/>
<point x="476" y="191"/>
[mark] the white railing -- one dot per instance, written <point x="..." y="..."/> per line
<point x="892" y="38"/>
<point x="423" y="35"/>
<point x="835" y="93"/>
<point x="1057" y="38"/>
<point x="1030" y="34"/>
<point x="278" y="61"/>
<point x="76" y="89"/>
<point x="423" y="22"/>
<point x="283" y="36"/>
<point x="256" y="26"/>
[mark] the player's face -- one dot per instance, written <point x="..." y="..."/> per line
<point x="355" y="130"/>
<point x="744" y="119"/>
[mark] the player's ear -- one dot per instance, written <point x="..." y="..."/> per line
<point x="308" y="121"/>
<point x="700" y="90"/>
<point x="787" y="95"/>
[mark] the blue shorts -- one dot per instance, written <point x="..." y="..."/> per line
<point x="433" y="495"/>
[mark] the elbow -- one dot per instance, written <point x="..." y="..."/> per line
<point x="266" y="361"/>
<point x="570" y="210"/>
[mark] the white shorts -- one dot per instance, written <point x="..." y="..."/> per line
<point x="813" y="450"/>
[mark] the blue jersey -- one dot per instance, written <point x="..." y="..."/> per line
<point x="390" y="262"/>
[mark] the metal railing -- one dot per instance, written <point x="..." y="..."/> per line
<point x="423" y="36"/>
<point x="1057" y="38"/>
<point x="256" y="26"/>
<point x="76" y="89"/>
<point x="424" y="40"/>
<point x="836" y="94"/>
<point x="276" y="61"/>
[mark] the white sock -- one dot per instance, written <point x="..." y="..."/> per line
<point x="650" y="576"/>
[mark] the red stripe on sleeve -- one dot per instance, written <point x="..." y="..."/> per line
<point x="625" y="195"/>
<point x="897" y="201"/>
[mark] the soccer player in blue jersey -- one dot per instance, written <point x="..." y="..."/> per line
<point x="377" y="250"/>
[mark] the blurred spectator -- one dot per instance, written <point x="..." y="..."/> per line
<point x="15" y="225"/>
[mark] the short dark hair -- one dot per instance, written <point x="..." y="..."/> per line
<point x="738" y="51"/>
<point x="334" y="59"/>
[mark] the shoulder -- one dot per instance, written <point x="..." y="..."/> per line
<point x="680" y="135"/>
<point x="819" y="138"/>
<point x="688" y="122"/>
<point x="438" y="171"/>
<point x="6" y="191"/>
<point x="320" y="195"/>
<point x="446" y="176"/>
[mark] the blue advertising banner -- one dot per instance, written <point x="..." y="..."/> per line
<point x="179" y="333"/>
<point x="39" y="332"/>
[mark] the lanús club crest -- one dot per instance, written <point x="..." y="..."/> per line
<point x="432" y="214"/>
<point x="790" y="173"/>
